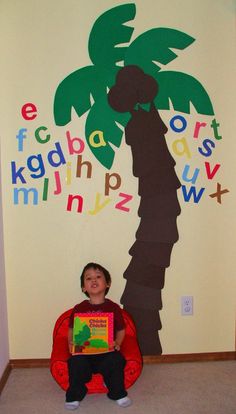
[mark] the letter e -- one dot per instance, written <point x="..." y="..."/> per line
<point x="29" y="111"/>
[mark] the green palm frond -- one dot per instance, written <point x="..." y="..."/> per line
<point x="108" y="32"/>
<point x="91" y="82"/>
<point x="74" y="92"/>
<point x="79" y="88"/>
<point x="182" y="89"/>
<point x="156" y="45"/>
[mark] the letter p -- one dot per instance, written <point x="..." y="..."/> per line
<point x="108" y="185"/>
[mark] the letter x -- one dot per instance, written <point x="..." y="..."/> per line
<point x="218" y="193"/>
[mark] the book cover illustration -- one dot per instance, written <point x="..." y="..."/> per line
<point x="93" y="333"/>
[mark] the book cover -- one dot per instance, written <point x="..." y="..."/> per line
<point x="93" y="333"/>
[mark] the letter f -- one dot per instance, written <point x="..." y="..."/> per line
<point x="20" y="136"/>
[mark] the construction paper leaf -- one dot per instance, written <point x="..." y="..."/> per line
<point x="101" y="130"/>
<point x="182" y="89"/>
<point x="156" y="45"/>
<point x="109" y="31"/>
<point x="77" y="89"/>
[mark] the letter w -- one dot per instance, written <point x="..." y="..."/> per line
<point x="192" y="192"/>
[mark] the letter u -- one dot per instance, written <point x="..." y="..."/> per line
<point x="193" y="179"/>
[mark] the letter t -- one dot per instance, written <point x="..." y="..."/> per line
<point x="215" y="126"/>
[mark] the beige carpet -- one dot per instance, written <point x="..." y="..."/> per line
<point x="183" y="388"/>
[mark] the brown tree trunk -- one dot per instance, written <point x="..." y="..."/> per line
<point x="157" y="232"/>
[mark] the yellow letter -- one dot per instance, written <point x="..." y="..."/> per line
<point x="99" y="206"/>
<point x="100" y="143"/>
<point x="185" y="148"/>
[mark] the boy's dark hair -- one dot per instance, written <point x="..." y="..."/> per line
<point x="99" y="267"/>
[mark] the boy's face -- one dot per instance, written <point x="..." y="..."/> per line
<point x="94" y="282"/>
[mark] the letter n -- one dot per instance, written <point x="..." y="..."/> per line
<point x="79" y="199"/>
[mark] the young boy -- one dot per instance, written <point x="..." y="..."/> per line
<point x="95" y="283"/>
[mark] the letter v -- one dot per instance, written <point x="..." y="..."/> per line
<point x="98" y="206"/>
<point x="211" y="174"/>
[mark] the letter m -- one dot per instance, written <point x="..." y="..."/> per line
<point x="26" y="192"/>
<point x="192" y="192"/>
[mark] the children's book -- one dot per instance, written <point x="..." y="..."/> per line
<point x="93" y="333"/>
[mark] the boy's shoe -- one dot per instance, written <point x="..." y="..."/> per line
<point x="71" y="405"/>
<point x="124" y="402"/>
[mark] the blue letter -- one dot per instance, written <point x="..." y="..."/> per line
<point x="25" y="192"/>
<point x="58" y="152"/>
<point x="39" y="167"/>
<point x="20" y="137"/>
<point x="182" y="119"/>
<point x="16" y="174"/>
<point x="192" y="191"/>
<point x="206" y="144"/>
<point x="186" y="171"/>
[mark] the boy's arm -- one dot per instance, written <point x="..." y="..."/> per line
<point x="70" y="339"/>
<point x="119" y="339"/>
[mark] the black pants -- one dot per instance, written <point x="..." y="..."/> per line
<point x="81" y="367"/>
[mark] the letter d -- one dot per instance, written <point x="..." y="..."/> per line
<point x="58" y="153"/>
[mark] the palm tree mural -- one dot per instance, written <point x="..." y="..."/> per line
<point x="138" y="88"/>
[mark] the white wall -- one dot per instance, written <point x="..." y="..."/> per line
<point x="47" y="246"/>
<point x="4" y="347"/>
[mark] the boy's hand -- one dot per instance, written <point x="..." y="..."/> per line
<point x="116" y="346"/>
<point x="71" y="346"/>
<point x="119" y="339"/>
<point x="70" y="340"/>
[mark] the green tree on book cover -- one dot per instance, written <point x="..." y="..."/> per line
<point x="98" y="343"/>
<point x="81" y="332"/>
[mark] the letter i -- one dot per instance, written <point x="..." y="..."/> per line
<point x="68" y="173"/>
<point x="45" y="189"/>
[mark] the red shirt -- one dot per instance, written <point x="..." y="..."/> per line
<point x="107" y="306"/>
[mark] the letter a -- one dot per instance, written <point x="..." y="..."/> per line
<point x="180" y="147"/>
<point x="101" y="142"/>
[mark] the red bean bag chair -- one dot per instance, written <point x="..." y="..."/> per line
<point x="60" y="355"/>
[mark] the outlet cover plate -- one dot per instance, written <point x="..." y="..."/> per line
<point x="186" y="305"/>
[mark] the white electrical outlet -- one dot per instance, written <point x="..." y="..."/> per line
<point x="187" y="305"/>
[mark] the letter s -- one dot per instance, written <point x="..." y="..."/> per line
<point x="207" y="143"/>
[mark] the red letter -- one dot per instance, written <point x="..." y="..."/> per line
<point x="127" y="198"/>
<point x="29" y="108"/>
<point x="79" y="199"/>
<point x="211" y="174"/>
<point x="198" y="125"/>
<point x="71" y="141"/>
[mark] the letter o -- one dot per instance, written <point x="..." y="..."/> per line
<point x="183" y="122"/>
